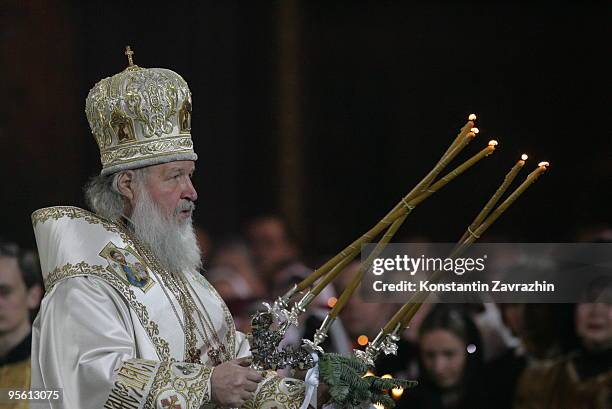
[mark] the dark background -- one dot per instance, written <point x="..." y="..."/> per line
<point x="327" y="112"/>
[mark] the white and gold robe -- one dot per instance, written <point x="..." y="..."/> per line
<point x="109" y="340"/>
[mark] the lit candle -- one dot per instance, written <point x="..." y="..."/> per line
<point x="351" y="251"/>
<point x="394" y="226"/>
<point x="531" y="178"/>
<point x="454" y="173"/>
<point x="408" y="310"/>
<point x="495" y="198"/>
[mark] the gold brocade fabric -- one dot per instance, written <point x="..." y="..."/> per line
<point x="141" y="117"/>
<point x="15" y="376"/>
<point x="132" y="347"/>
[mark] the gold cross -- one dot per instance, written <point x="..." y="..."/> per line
<point x="129" y="53"/>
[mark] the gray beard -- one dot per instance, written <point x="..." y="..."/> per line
<point x="173" y="242"/>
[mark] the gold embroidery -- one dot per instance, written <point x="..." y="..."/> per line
<point x="146" y="150"/>
<point x="169" y="283"/>
<point x="170" y="384"/>
<point x="194" y="391"/>
<point x="83" y="269"/>
<point x="134" y="115"/>
<point x="57" y="212"/>
<point x="71" y="212"/>
<point x="126" y="264"/>
<point x="131" y="384"/>
<point x="282" y="393"/>
<point x="230" y="335"/>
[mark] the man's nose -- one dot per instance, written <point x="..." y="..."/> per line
<point x="189" y="191"/>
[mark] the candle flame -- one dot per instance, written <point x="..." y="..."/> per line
<point x="545" y="164"/>
<point x="493" y="143"/>
<point x="472" y="117"/>
<point x="524" y="156"/>
<point x="387" y="376"/>
<point x="368" y="373"/>
<point x="397" y="392"/>
<point x="474" y="130"/>
<point x="379" y="405"/>
<point x="331" y="302"/>
<point x="362" y="340"/>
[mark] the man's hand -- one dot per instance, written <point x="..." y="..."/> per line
<point x="233" y="382"/>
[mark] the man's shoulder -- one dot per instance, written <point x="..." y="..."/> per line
<point x="74" y="242"/>
<point x="54" y="213"/>
<point x="83" y="286"/>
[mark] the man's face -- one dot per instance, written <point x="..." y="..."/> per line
<point x="15" y="299"/>
<point x="169" y="185"/>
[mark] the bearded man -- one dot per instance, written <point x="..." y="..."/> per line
<point x="127" y="320"/>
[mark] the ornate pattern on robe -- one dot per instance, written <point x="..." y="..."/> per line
<point x="111" y="344"/>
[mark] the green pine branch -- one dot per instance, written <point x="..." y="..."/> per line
<point x="347" y="386"/>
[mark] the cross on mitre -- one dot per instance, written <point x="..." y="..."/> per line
<point x="129" y="53"/>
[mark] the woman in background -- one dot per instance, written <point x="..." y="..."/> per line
<point x="582" y="379"/>
<point x="451" y="363"/>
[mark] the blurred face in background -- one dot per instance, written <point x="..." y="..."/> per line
<point x="594" y="324"/>
<point x="513" y="318"/>
<point x="269" y="243"/>
<point x="15" y="298"/>
<point x="444" y="357"/>
<point x="360" y="317"/>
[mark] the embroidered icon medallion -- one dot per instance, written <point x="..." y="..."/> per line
<point x="126" y="264"/>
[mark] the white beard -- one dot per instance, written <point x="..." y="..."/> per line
<point x="173" y="242"/>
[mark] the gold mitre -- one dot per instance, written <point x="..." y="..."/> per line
<point x="140" y="117"/>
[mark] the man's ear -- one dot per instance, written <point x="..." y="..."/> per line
<point x="125" y="185"/>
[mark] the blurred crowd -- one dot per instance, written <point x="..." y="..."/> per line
<point x="467" y="356"/>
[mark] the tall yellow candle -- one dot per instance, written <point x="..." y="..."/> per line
<point x="464" y="136"/>
<point x="401" y="213"/>
<point x="405" y="313"/>
<point x="454" y="173"/>
<point x="508" y="179"/>
<point x="356" y="280"/>
<point x="531" y="178"/>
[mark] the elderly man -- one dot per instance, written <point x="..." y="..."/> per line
<point x="128" y="322"/>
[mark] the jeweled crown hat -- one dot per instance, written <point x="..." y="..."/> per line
<point x="140" y="117"/>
